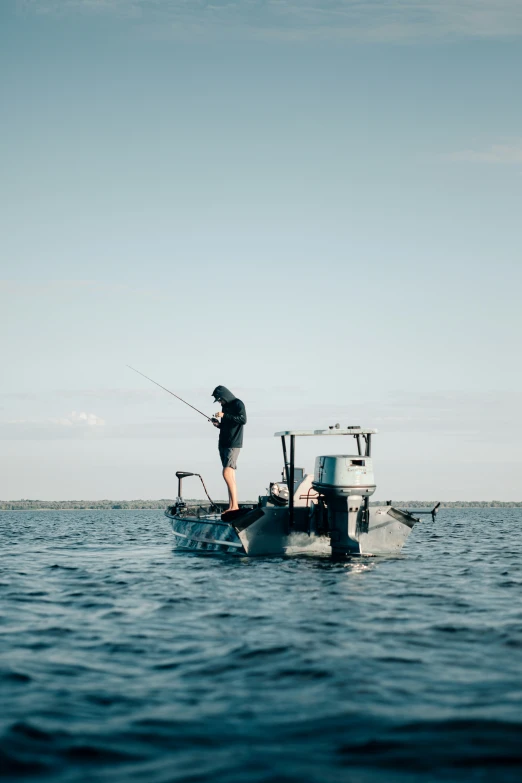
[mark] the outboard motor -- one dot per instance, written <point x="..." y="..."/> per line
<point x="346" y="481"/>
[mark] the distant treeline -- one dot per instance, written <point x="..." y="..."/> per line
<point x="71" y="505"/>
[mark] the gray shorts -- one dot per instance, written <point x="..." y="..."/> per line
<point x="229" y="457"/>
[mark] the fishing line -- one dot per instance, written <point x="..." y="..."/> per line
<point x="208" y="418"/>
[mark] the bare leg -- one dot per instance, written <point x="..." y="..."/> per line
<point x="229" y="474"/>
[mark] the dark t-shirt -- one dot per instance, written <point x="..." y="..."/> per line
<point x="231" y="429"/>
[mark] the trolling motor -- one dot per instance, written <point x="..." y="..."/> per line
<point x="180" y="475"/>
<point x="180" y="503"/>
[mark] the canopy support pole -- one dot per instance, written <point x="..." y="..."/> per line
<point x="291" y="482"/>
<point x="368" y="445"/>
<point x="285" y="457"/>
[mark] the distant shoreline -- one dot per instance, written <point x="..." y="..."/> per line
<point x="136" y="505"/>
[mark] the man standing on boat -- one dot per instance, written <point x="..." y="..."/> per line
<point x="231" y="420"/>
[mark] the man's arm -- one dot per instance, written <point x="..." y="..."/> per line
<point x="238" y="418"/>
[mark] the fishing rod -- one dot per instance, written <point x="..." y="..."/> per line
<point x="212" y="420"/>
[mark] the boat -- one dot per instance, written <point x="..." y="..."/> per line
<point x="327" y="512"/>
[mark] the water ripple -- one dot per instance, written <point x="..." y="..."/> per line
<point x="122" y="659"/>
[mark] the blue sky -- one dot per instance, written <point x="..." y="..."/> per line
<point x="316" y="205"/>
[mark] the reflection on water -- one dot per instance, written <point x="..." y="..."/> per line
<point x="123" y="659"/>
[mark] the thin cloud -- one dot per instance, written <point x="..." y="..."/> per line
<point x="374" y="20"/>
<point x="131" y="395"/>
<point x="485" y="417"/>
<point x="507" y="154"/>
<point x="88" y="426"/>
<point x="80" y="420"/>
<point x="73" y="425"/>
<point x="51" y="287"/>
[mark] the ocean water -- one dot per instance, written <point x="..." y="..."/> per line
<point x="122" y="659"/>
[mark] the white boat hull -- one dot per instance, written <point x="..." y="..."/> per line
<point x="265" y="531"/>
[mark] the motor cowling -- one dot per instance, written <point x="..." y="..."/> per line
<point x="346" y="481"/>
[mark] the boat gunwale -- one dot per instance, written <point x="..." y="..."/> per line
<point x="204" y="519"/>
